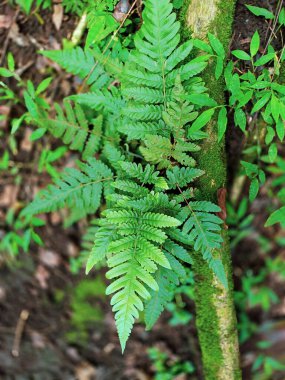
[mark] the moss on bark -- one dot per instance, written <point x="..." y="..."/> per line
<point x="215" y="314"/>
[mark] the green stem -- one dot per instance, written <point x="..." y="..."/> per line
<point x="215" y="313"/>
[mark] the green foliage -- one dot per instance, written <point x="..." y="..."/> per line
<point x="258" y="90"/>
<point x="81" y="63"/>
<point x="21" y="233"/>
<point x="267" y="365"/>
<point x="277" y="216"/>
<point x="278" y="169"/>
<point x="165" y="369"/>
<point x="80" y="189"/>
<point x="75" y="6"/>
<point x="72" y="126"/>
<point x="239" y="221"/>
<point x="258" y="11"/>
<point x="84" y="311"/>
<point x="152" y="218"/>
<point x="26" y="5"/>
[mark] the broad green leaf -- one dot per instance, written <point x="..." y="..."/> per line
<point x="240" y="54"/>
<point x="202" y="120"/>
<point x="280" y="129"/>
<point x="219" y="67"/>
<point x="16" y="123"/>
<point x="5" y="72"/>
<point x="281" y="18"/>
<point x="261" y="102"/>
<point x="258" y="11"/>
<point x="260" y="85"/>
<point x="240" y="119"/>
<point x="177" y="4"/>
<point x="265" y="59"/>
<point x="278" y="87"/>
<point x="31" y="105"/>
<point x="269" y="135"/>
<point x="10" y="62"/>
<point x="276" y="217"/>
<point x="222" y="123"/>
<point x="202" y="46"/>
<point x="216" y="45"/>
<point x="43" y="85"/>
<point x="201" y="100"/>
<point x="251" y="170"/>
<point x="245" y="99"/>
<point x="37" y="134"/>
<point x="254" y="44"/>
<point x="272" y="152"/>
<point x="275" y="107"/>
<point x="253" y="189"/>
<point x="25" y="4"/>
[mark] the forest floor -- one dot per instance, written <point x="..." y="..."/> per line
<point x="61" y="338"/>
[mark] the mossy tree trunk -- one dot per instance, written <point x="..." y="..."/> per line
<point x="215" y="313"/>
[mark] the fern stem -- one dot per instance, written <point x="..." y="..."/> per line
<point x="215" y="314"/>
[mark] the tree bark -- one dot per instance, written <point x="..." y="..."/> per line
<point x="215" y="313"/>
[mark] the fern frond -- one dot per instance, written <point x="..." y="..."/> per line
<point x="138" y="130"/>
<point x="81" y="63"/>
<point x="144" y="112"/>
<point x="149" y="218"/>
<point x="146" y="174"/>
<point x="134" y="257"/>
<point x="72" y="126"/>
<point x="129" y="288"/>
<point x="204" y="229"/>
<point x="167" y="281"/>
<point x="158" y="202"/>
<point x="101" y="240"/>
<point x="113" y="155"/>
<point x="80" y="189"/>
<point x="182" y="176"/>
<point x="148" y="77"/>
<point x="108" y="100"/>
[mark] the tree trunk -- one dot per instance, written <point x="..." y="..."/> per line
<point x="215" y="313"/>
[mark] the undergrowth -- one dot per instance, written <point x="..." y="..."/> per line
<point x="138" y="123"/>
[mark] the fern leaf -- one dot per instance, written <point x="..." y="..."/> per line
<point x="127" y="302"/>
<point x="82" y="63"/>
<point x="182" y="176"/>
<point x="204" y="229"/>
<point x="102" y="239"/>
<point x="101" y="100"/>
<point x="166" y="280"/>
<point x="145" y="174"/>
<point x="150" y="218"/>
<point x="72" y="126"/>
<point x="138" y="130"/>
<point x="81" y="189"/>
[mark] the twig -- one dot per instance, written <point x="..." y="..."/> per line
<point x="22" y="69"/>
<point x="279" y="7"/>
<point x="6" y="42"/>
<point x="19" y="332"/>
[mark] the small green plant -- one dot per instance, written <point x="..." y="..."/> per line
<point x="84" y="313"/>
<point x="265" y="367"/>
<point x="167" y="369"/>
<point x="20" y="233"/>
<point x="27" y="5"/>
